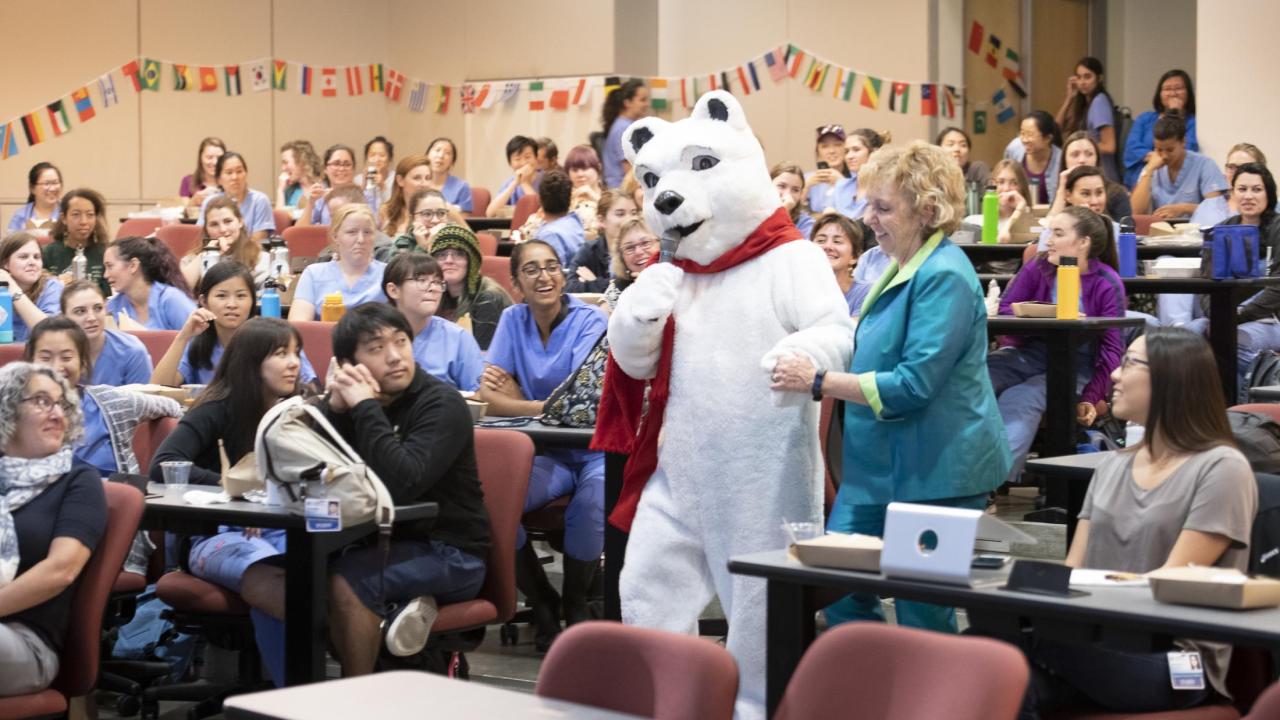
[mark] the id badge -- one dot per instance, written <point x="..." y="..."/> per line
<point x="323" y="515"/>
<point x="1185" y="671"/>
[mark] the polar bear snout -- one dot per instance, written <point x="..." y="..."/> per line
<point x="668" y="201"/>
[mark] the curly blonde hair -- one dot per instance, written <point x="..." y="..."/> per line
<point x="926" y="175"/>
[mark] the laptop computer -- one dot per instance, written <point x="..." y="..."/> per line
<point x="933" y="543"/>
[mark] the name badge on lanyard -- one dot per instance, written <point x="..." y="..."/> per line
<point x="1186" y="671"/>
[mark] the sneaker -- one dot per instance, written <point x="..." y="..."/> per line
<point x="408" y="631"/>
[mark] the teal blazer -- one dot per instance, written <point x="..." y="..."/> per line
<point x="932" y="429"/>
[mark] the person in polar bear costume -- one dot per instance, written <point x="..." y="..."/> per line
<point x="718" y="461"/>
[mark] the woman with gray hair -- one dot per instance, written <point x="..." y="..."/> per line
<point x="51" y="518"/>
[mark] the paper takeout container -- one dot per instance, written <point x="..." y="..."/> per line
<point x="1035" y="310"/>
<point x="845" y="552"/>
<point x="1213" y="587"/>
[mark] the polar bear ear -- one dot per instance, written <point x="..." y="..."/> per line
<point x="720" y="105"/>
<point x="639" y="133"/>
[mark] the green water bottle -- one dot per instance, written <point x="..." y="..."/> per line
<point x="990" y="217"/>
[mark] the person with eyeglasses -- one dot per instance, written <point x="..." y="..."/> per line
<point x="412" y="174"/>
<point x="53" y="515"/>
<point x="44" y="186"/>
<point x="632" y="252"/>
<point x="472" y="300"/>
<point x="355" y="274"/>
<point x="429" y="212"/>
<point x="414" y="285"/>
<point x="255" y="207"/>
<point x="592" y="269"/>
<point x="1214" y="210"/>
<point x="339" y="168"/>
<point x="539" y="343"/>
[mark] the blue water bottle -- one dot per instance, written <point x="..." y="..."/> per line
<point x="6" y="313"/>
<point x="1127" y="248"/>
<point x="270" y="300"/>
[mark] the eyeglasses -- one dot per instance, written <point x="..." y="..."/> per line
<point x="339" y="164"/>
<point x="426" y="282"/>
<point x="644" y="246"/>
<point x="449" y="254"/>
<point x="46" y="404"/>
<point x="440" y="214"/>
<point x="1129" y="361"/>
<point x="532" y="271"/>
<point x="1231" y="168"/>
<point x="49" y="184"/>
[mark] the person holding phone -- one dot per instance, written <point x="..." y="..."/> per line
<point x="820" y="185"/>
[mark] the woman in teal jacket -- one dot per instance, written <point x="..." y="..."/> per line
<point x="921" y="422"/>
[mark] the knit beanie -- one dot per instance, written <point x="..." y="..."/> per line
<point x="459" y="237"/>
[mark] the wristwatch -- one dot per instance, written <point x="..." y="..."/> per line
<point x="817" y="385"/>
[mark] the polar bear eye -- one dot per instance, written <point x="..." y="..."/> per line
<point x="650" y="180"/>
<point x="705" y="162"/>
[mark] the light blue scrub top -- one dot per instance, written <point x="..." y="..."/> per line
<point x="320" y="279"/>
<point x="167" y="307"/>
<point x="449" y="353"/>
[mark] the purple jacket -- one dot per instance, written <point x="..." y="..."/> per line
<point x="1101" y="295"/>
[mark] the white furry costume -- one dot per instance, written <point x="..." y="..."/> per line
<point x="735" y="457"/>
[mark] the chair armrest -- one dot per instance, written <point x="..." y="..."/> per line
<point x="416" y="511"/>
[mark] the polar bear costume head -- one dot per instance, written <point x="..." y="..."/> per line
<point x="704" y="177"/>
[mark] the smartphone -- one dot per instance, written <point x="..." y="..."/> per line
<point x="822" y="165"/>
<point x="989" y="562"/>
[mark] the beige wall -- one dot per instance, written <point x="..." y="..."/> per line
<point x="1144" y="39"/>
<point x="1236" y="53"/>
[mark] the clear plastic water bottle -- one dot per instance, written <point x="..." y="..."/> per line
<point x="6" y="313"/>
<point x="279" y="257"/>
<point x="79" y="265"/>
<point x="209" y="257"/>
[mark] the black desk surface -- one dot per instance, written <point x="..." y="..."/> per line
<point x="1080" y="466"/>
<point x="1010" y="325"/>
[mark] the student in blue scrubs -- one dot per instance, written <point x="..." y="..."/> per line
<point x="148" y="285"/>
<point x="44" y="187"/>
<point x="355" y="274"/>
<point x="847" y="199"/>
<point x="841" y="239"/>
<point x="788" y="178"/>
<point x="561" y="229"/>
<point x="227" y="299"/>
<point x="538" y="344"/>
<point x="111" y="414"/>
<point x="379" y="153"/>
<point x="623" y="106"/>
<point x="444" y="155"/>
<point x="820" y="185"/>
<point x="522" y="156"/>
<point x="35" y="292"/>
<point x="255" y="207"/>
<point x="1175" y="180"/>
<point x="115" y="357"/>
<point x="414" y="285"/>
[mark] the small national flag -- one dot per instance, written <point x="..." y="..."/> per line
<point x="487" y="96"/>
<point x="537" y="96"/>
<point x="151" y="75"/>
<point x="31" y="128"/>
<point x="260" y="75"/>
<point x="1004" y="110"/>
<point x="83" y="103"/>
<point x="871" y="92"/>
<point x="846" y="88"/>
<point x="777" y="63"/>
<point x="306" y="80"/>
<point x="231" y="73"/>
<point x="724" y="82"/>
<point x="979" y="122"/>
<point x="107" y="88"/>
<point x="822" y="79"/>
<point x="279" y="75"/>
<point x="928" y="99"/>
<point x="1012" y="72"/>
<point x="355" y="86"/>
<point x="993" y="49"/>
<point x="976" y="33"/>
<point x="393" y="86"/>
<point x="8" y="141"/>
<point x="375" y="78"/>
<point x="468" y="99"/>
<point x="443" y="92"/>
<point x="131" y="71"/>
<point x="797" y="57"/>
<point x="658" y="94"/>
<point x="611" y="83"/>
<point x="418" y="97"/>
<point x="509" y="92"/>
<point x="949" y="100"/>
<point x="685" y="101"/>
<point x="208" y="79"/>
<point x="578" y="92"/>
<point x="755" y="78"/>
<point x="58" y="118"/>
<point x="329" y="82"/>
<point x="811" y="75"/>
<point x="898" y="98"/>
<point x="559" y="98"/>
<point x="182" y="77"/>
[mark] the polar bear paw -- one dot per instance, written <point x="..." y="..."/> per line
<point x="653" y="295"/>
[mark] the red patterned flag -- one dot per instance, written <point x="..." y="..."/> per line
<point x="329" y="82"/>
<point x="468" y="99"/>
<point x="208" y="79"/>
<point x="976" y="33"/>
<point x="394" y="85"/>
<point x="776" y="60"/>
<point x="355" y="86"/>
<point x="132" y="72"/>
<point x="579" y="92"/>
<point x="560" y="98"/>
<point x="84" y="105"/>
<point x="797" y="57"/>
<point x="928" y="99"/>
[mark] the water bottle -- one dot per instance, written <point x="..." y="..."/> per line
<point x="370" y="178"/>
<point x="209" y="257"/>
<point x="1127" y="248"/>
<point x="279" y="257"/>
<point x="6" y="313"/>
<point x="972" y="199"/>
<point x="79" y="265"/>
<point x="1068" y="289"/>
<point x="993" y="299"/>
<point x="270" y="299"/>
<point x="1034" y="184"/>
<point x="332" y="309"/>
<point x="990" y="217"/>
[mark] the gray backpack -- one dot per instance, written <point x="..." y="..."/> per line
<point x="1258" y="437"/>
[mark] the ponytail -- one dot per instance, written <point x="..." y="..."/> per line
<point x="1101" y="232"/>
<point x="154" y="259"/>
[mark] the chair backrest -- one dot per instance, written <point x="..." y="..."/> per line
<point x="1267" y="706"/>
<point x="880" y="669"/>
<point x="11" y="352"/>
<point x="650" y="673"/>
<point x="480" y="199"/>
<point x="141" y="227"/>
<point x="306" y="240"/>
<point x="317" y="342"/>
<point x="284" y="220"/>
<point x="1030" y="252"/>
<point x="525" y="206"/>
<point x="498" y="269"/>
<point x="488" y="244"/>
<point x="79" y="669"/>
<point x="504" y="459"/>
<point x="180" y="239"/>
<point x="157" y="342"/>
<point x="1271" y="410"/>
<point x="147" y="438"/>
<point x="1142" y="224"/>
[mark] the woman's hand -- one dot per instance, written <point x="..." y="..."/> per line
<point x="316" y="191"/>
<point x="1072" y="88"/>
<point x="495" y="379"/>
<point x="5" y="277"/>
<point x="281" y="182"/>
<point x="585" y="274"/>
<point x="793" y="374"/>
<point x="1010" y="201"/>
<point x="1086" y="413"/>
<point x="252" y="532"/>
<point x="1155" y="161"/>
<point x="197" y="322"/>
<point x="421" y="235"/>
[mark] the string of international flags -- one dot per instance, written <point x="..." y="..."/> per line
<point x="780" y="64"/>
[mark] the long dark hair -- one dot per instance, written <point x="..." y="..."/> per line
<point x="33" y="176"/>
<point x="62" y="323"/>
<point x="1187" y="410"/>
<point x="197" y="177"/>
<point x="614" y="102"/>
<point x="101" y="236"/>
<point x="154" y="259"/>
<point x="238" y="379"/>
<point x="1099" y="229"/>
<point x="1078" y="112"/>
<point x="200" y="352"/>
<point x="1268" y="184"/>
<point x="1190" y="107"/>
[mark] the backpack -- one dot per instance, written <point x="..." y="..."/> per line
<point x="1263" y="370"/>
<point x="1258" y="437"/>
<point x="575" y="402"/>
<point x="1264" y="545"/>
<point x="297" y="448"/>
<point x="150" y="636"/>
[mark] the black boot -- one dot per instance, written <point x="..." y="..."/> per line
<point x="578" y="577"/>
<point x="532" y="580"/>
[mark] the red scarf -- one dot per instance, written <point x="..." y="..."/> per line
<point x="620" y="427"/>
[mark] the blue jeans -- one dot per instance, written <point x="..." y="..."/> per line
<point x="1018" y="376"/>
<point x="869" y="520"/>
<point x="580" y="473"/>
<point x="1252" y="338"/>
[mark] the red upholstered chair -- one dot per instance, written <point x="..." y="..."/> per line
<point x="498" y="269"/>
<point x="525" y="206"/>
<point x="1267" y="706"/>
<point x="488" y="244"/>
<point x="480" y="198"/>
<point x="882" y="669"/>
<point x="142" y="227"/>
<point x="10" y="352"/>
<point x="1271" y="410"/>
<point x="284" y="220"/>
<point x="1030" y="252"/>
<point x="1142" y="224"/>
<point x="157" y="342"/>
<point x="306" y="240"/>
<point x="317" y="342"/>
<point x="147" y="438"/>
<point x="79" y="662"/>
<point x="643" y="672"/>
<point x="180" y="239"/>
